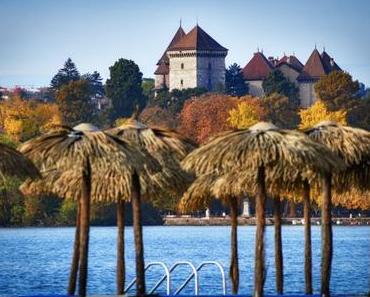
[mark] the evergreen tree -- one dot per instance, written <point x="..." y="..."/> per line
<point x="66" y="74"/>
<point x="124" y="88"/>
<point x="276" y="82"/>
<point x="74" y="102"/>
<point x="235" y="85"/>
<point x="95" y="83"/>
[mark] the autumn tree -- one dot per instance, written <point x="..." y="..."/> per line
<point x="235" y="85"/>
<point x="276" y="82"/>
<point x="23" y="119"/>
<point x="319" y="112"/>
<point x="124" y="88"/>
<point x="74" y="102"/>
<point x="337" y="89"/>
<point x="248" y="112"/>
<point x="160" y="117"/>
<point x="281" y="111"/>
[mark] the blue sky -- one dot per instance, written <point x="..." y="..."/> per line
<point x="37" y="36"/>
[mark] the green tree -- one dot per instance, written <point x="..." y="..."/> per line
<point x="276" y="82"/>
<point x="235" y="85"/>
<point x="124" y="88"/>
<point x="281" y="111"/>
<point x="148" y="87"/>
<point x="174" y="101"/>
<point x="74" y="102"/>
<point x="65" y="75"/>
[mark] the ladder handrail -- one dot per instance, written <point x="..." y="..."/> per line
<point x="200" y="266"/>
<point x="217" y="264"/>
<point x="166" y="275"/>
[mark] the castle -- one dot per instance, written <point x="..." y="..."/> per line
<point x="195" y="59"/>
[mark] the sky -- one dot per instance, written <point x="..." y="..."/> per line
<point x="37" y="36"/>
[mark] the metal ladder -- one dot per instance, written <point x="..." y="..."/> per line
<point x="194" y="274"/>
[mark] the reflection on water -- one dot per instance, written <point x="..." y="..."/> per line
<point x="37" y="260"/>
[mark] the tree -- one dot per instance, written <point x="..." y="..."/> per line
<point x="336" y="89"/>
<point x="276" y="82"/>
<point x="247" y="113"/>
<point x="235" y="84"/>
<point x="65" y="75"/>
<point x="318" y="113"/>
<point x="124" y="88"/>
<point x="156" y="116"/>
<point x="148" y="87"/>
<point x="280" y="111"/>
<point x="23" y="119"/>
<point x="174" y="101"/>
<point x="74" y="102"/>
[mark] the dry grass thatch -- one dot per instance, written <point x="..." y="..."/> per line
<point x="13" y="163"/>
<point x="350" y="144"/>
<point x="290" y="153"/>
<point x="62" y="154"/>
<point x="168" y="148"/>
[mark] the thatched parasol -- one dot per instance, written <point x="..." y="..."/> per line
<point x="257" y="150"/>
<point x="352" y="145"/>
<point x="94" y="165"/>
<point x="13" y="163"/>
<point x="167" y="147"/>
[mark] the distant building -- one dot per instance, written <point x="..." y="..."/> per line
<point x="304" y="76"/>
<point x="191" y="60"/>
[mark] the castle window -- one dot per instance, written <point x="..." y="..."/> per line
<point x="182" y="65"/>
<point x="209" y="66"/>
<point x="182" y="82"/>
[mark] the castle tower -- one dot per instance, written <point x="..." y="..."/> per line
<point x="316" y="67"/>
<point x="163" y="69"/>
<point x="197" y="60"/>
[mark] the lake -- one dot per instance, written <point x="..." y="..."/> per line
<point x="37" y="260"/>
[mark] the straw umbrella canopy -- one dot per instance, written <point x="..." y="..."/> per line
<point x="167" y="147"/>
<point x="13" y="163"/>
<point x="258" y="149"/>
<point x="352" y="145"/>
<point x="89" y="165"/>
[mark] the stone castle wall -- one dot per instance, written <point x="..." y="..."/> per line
<point x="289" y="73"/>
<point x="307" y="93"/>
<point x="161" y="81"/>
<point x="255" y="88"/>
<point x="183" y="72"/>
<point x="211" y="73"/>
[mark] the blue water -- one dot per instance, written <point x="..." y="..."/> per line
<point x="37" y="260"/>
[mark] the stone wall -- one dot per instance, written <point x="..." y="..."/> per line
<point x="161" y="81"/>
<point x="307" y="93"/>
<point x="290" y="73"/>
<point x="183" y="72"/>
<point x="211" y="73"/>
<point x="255" y="88"/>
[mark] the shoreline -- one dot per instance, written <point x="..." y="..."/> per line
<point x="251" y="221"/>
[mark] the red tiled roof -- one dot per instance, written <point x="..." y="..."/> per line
<point x="314" y="68"/>
<point x="329" y="63"/>
<point x="162" y="69"/>
<point x="198" y="39"/>
<point x="180" y="33"/>
<point x="291" y="61"/>
<point x="258" y="68"/>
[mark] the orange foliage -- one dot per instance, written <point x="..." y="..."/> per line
<point x="158" y="117"/>
<point x="205" y="116"/>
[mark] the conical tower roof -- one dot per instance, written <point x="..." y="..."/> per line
<point x="258" y="68"/>
<point x="329" y="63"/>
<point x="198" y="39"/>
<point x="314" y="68"/>
<point x="180" y="33"/>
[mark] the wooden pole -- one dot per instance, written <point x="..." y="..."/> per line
<point x="234" y="267"/>
<point x="259" y="271"/>
<point x="76" y="255"/>
<point x="121" y="247"/>
<point x="85" y="228"/>
<point x="326" y="237"/>
<point x="279" y="266"/>
<point x="307" y="238"/>
<point x="138" y="233"/>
